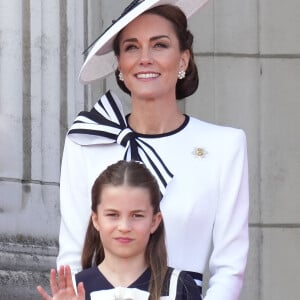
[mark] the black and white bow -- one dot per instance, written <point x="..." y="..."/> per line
<point x="106" y="124"/>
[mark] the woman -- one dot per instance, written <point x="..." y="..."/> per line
<point x="201" y="167"/>
<point x="124" y="251"/>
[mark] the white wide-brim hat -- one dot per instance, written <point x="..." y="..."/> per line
<point x="101" y="60"/>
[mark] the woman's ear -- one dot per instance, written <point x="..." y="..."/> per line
<point x="155" y="222"/>
<point x="95" y="221"/>
<point x="184" y="60"/>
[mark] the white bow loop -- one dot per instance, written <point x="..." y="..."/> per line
<point x="120" y="293"/>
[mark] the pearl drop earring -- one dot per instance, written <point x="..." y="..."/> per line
<point x="121" y="78"/>
<point x="181" y="74"/>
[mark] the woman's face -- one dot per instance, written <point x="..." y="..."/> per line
<point x="150" y="57"/>
<point x="125" y="221"/>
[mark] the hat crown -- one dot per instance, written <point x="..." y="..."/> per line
<point x="126" y="10"/>
<point x="132" y="5"/>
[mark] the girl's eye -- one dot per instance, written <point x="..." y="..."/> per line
<point x="112" y="215"/>
<point x="138" y="216"/>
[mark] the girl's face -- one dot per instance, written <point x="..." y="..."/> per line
<point x="150" y="57"/>
<point x="125" y="221"/>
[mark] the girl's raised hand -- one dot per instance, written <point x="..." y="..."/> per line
<point x="62" y="287"/>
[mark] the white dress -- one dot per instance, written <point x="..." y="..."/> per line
<point x="205" y="205"/>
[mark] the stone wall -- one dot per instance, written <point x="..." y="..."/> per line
<point x="25" y="262"/>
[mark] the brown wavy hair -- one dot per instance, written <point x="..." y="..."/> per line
<point x="133" y="174"/>
<point x="188" y="85"/>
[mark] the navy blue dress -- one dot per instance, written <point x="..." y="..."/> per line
<point x="94" y="280"/>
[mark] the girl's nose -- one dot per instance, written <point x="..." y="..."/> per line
<point x="124" y="225"/>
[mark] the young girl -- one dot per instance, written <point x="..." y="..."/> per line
<point x="124" y="254"/>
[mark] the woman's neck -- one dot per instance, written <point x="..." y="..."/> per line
<point x="122" y="272"/>
<point x="155" y="117"/>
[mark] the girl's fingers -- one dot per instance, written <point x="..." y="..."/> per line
<point x="43" y="293"/>
<point x="62" y="286"/>
<point x="53" y="283"/>
<point x="80" y="291"/>
<point x="61" y="278"/>
<point x="68" y="276"/>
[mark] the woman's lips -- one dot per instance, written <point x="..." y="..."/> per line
<point x="147" y="75"/>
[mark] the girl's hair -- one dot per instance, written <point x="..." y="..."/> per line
<point x="188" y="85"/>
<point x="133" y="174"/>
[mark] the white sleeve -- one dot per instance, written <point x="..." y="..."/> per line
<point x="74" y="206"/>
<point x="230" y="233"/>
<point x="74" y="284"/>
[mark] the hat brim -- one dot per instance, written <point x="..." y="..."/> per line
<point x="101" y="60"/>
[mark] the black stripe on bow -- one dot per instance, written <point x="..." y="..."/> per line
<point x="93" y="123"/>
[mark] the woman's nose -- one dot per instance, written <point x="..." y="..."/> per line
<point x="146" y="57"/>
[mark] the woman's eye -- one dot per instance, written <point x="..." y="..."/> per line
<point x="130" y="47"/>
<point x="161" y="45"/>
